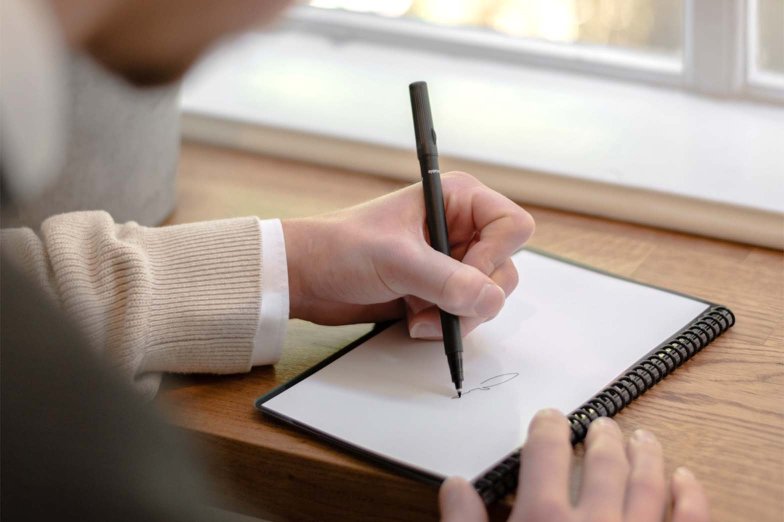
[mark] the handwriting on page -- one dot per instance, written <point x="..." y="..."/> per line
<point x="492" y="382"/>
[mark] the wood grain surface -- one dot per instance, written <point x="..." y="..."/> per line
<point x="721" y="414"/>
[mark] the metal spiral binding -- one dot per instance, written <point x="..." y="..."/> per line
<point x="651" y="369"/>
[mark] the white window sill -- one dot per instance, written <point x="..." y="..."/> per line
<point x="643" y="154"/>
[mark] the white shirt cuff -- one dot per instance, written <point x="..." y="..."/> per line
<point x="274" y="309"/>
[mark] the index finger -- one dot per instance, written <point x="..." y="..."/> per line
<point x="543" y="491"/>
<point x="502" y="225"/>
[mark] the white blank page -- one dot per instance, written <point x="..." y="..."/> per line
<point x="565" y="331"/>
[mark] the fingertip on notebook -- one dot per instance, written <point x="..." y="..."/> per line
<point x="549" y="412"/>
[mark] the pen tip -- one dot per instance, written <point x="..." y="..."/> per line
<point x="459" y="393"/>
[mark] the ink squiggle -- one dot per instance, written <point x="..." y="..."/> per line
<point x="496" y="381"/>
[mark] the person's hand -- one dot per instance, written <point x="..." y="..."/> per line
<point x="373" y="262"/>
<point x="620" y="483"/>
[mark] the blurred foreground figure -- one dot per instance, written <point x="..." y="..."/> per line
<point x="76" y="444"/>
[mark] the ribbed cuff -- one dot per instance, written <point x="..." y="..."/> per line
<point x="205" y="303"/>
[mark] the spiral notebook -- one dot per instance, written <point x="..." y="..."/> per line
<point x="569" y="337"/>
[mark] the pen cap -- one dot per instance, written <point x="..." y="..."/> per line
<point x="423" y="120"/>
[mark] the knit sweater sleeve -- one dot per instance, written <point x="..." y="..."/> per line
<point x="183" y="298"/>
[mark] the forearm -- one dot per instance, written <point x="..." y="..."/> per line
<point x="184" y="298"/>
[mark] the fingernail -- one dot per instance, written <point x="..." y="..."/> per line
<point x="548" y="413"/>
<point x="643" y="436"/>
<point x="488" y="268"/>
<point x="490" y="300"/>
<point x="684" y="472"/>
<point x="451" y="490"/>
<point x="603" y="422"/>
<point x="424" y="330"/>
<point x="545" y="418"/>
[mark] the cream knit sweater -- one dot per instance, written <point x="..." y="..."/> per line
<point x="185" y="298"/>
<point x="182" y="298"/>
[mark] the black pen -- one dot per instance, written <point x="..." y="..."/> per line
<point x="427" y="152"/>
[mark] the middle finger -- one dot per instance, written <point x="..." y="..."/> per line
<point x="605" y="470"/>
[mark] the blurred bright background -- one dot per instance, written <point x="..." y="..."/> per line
<point x="769" y="27"/>
<point x="648" y="26"/>
<point x="653" y="26"/>
<point x="678" y="103"/>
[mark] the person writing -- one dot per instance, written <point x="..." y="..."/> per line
<point x="215" y="296"/>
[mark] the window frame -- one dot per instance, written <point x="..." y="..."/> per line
<point x="758" y="83"/>
<point x="716" y="60"/>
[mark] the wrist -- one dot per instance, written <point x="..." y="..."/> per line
<point x="294" y="239"/>
<point x="307" y="253"/>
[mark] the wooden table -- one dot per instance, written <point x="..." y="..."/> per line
<point x="721" y="414"/>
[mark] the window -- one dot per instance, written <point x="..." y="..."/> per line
<point x="652" y="26"/>
<point x="327" y="85"/>
<point x="717" y="47"/>
<point x="765" y="19"/>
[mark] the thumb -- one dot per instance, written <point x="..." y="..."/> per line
<point x="459" y="502"/>
<point x="454" y="287"/>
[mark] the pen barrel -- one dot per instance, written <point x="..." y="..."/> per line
<point x="427" y="152"/>
<point x="439" y="240"/>
<point x="423" y="120"/>
<point x="453" y="346"/>
<point x="434" y="204"/>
